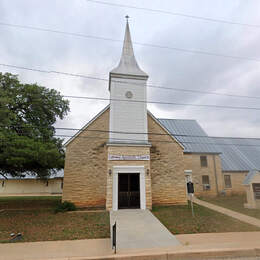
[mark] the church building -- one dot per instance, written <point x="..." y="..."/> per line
<point x="124" y="166"/>
<point x="127" y="158"/>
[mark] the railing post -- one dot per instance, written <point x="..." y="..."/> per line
<point x="114" y="237"/>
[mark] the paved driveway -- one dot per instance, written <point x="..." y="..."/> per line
<point x="140" y="229"/>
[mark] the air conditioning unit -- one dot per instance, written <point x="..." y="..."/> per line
<point x="206" y="186"/>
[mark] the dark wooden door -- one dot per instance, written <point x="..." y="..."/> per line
<point x="128" y="190"/>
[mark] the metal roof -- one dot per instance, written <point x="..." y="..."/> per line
<point x="250" y="176"/>
<point x="190" y="134"/>
<point x="28" y="176"/>
<point x="237" y="154"/>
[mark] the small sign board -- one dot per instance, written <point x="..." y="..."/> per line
<point x="112" y="157"/>
<point x="190" y="187"/>
<point x="256" y="189"/>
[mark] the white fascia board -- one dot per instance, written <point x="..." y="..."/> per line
<point x="85" y="126"/>
<point x="160" y="124"/>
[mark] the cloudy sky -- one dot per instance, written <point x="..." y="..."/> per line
<point x="166" y="67"/>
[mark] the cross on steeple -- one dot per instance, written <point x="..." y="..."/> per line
<point x="127" y="17"/>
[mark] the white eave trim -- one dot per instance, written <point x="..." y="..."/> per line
<point x="165" y="129"/>
<point x="86" y="126"/>
<point x="104" y="110"/>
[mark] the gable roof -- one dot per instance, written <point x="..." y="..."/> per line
<point x="103" y="111"/>
<point x="250" y="176"/>
<point x="237" y="154"/>
<point x="191" y="135"/>
<point x="86" y="125"/>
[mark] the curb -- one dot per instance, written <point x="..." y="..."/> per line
<point x="173" y="255"/>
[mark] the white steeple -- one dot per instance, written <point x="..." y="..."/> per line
<point x="127" y="84"/>
<point x="128" y="64"/>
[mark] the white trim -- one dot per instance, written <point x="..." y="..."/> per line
<point x="130" y="144"/>
<point x="128" y="169"/>
<point x="86" y="125"/>
<point x="103" y="111"/>
<point x="115" y="157"/>
<point x="164" y="128"/>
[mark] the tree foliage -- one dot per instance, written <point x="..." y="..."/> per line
<point x="27" y="135"/>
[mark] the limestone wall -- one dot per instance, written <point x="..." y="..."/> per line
<point x="129" y="150"/>
<point x="237" y="186"/>
<point x="85" y="172"/>
<point x="192" y="162"/>
<point x="167" y="167"/>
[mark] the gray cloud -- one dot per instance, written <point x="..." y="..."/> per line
<point x="165" y="67"/>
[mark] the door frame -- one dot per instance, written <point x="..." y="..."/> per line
<point x="128" y="169"/>
<point x="129" y="184"/>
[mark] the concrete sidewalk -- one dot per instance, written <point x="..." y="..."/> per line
<point x="56" y="249"/>
<point x="194" y="246"/>
<point x="140" y="229"/>
<point x="228" y="212"/>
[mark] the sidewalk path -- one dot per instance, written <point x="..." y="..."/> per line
<point x="228" y="212"/>
<point x="56" y="249"/>
<point x="140" y="229"/>
<point x="194" y="246"/>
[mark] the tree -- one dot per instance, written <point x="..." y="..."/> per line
<point x="27" y="135"/>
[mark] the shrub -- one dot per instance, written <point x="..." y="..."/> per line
<point x="65" y="206"/>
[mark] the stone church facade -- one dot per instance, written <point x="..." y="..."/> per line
<point x="124" y="166"/>
<point x="126" y="158"/>
<point x="91" y="179"/>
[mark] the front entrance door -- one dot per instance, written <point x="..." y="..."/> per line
<point x="128" y="190"/>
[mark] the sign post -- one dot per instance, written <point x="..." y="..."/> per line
<point x="190" y="189"/>
<point x="191" y="202"/>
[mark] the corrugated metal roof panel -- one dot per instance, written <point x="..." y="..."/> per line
<point x="237" y="154"/>
<point x="190" y="134"/>
<point x="250" y="176"/>
<point x="27" y="176"/>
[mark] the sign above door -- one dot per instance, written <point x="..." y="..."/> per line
<point x="112" y="157"/>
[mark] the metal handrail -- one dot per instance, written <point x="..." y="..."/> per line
<point x="114" y="237"/>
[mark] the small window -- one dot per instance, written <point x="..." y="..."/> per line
<point x="203" y="161"/>
<point x="205" y="182"/>
<point x="61" y="184"/>
<point x="227" y="180"/>
<point x="3" y="183"/>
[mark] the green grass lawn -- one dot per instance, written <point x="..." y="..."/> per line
<point x="178" y="220"/>
<point x="29" y="202"/>
<point x="234" y="202"/>
<point x="38" y="222"/>
<point x="42" y="224"/>
<point x="34" y="217"/>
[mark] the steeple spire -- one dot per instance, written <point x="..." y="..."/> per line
<point x="128" y="64"/>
